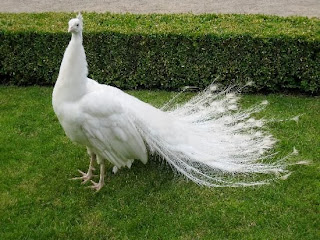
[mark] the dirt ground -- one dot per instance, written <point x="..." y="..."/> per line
<point x="310" y="8"/>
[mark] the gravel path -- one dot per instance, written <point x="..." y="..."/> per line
<point x="310" y="8"/>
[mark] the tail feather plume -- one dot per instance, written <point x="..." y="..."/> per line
<point x="213" y="142"/>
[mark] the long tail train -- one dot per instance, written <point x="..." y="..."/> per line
<point x="212" y="142"/>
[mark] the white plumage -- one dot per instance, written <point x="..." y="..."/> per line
<point x="207" y="139"/>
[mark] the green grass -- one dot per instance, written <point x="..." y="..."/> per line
<point x="37" y="201"/>
<point x="185" y="24"/>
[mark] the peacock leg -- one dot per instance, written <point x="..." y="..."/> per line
<point x="87" y="176"/>
<point x="100" y="184"/>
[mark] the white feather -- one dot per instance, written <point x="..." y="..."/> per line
<point x="207" y="139"/>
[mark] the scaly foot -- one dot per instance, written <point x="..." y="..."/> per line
<point x="96" y="186"/>
<point x="100" y="184"/>
<point x="85" y="176"/>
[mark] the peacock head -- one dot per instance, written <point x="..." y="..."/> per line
<point x="76" y="24"/>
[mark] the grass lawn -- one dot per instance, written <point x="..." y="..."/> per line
<point x="37" y="201"/>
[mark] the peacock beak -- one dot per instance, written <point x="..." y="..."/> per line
<point x="69" y="29"/>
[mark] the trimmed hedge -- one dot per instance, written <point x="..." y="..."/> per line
<point x="167" y="51"/>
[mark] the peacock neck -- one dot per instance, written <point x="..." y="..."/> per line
<point x="71" y="83"/>
<point x="77" y="37"/>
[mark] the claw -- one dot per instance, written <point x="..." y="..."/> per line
<point x="85" y="176"/>
<point x="83" y="173"/>
<point x="96" y="186"/>
<point x="85" y="180"/>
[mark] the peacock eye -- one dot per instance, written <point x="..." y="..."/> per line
<point x="78" y="25"/>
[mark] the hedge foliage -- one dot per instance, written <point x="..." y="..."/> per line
<point x="167" y="51"/>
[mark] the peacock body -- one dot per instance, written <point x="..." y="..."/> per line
<point x="208" y="139"/>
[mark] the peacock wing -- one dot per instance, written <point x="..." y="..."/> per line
<point x="110" y="130"/>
